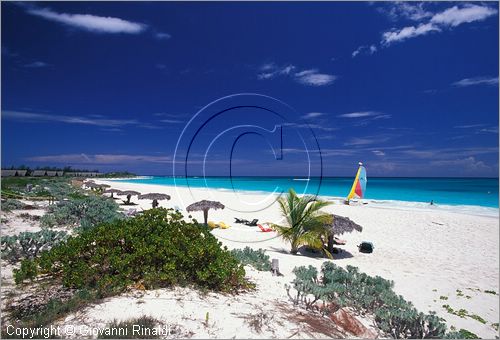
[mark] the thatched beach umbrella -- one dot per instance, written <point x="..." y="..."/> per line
<point x="112" y="191"/>
<point x="129" y="194"/>
<point x="91" y="185"/>
<point x="205" y="206"/>
<point x="155" y="197"/>
<point x="341" y="225"/>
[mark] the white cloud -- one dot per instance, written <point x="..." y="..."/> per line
<point x="407" y="10"/>
<point x="313" y="115"/>
<point x="311" y="126"/>
<point x="37" y="64"/>
<point x="455" y="16"/>
<point x="310" y="77"/>
<point x="493" y="129"/>
<point x="355" y="141"/>
<point x="448" y="18"/>
<point x="270" y="70"/>
<point x="162" y="36"/>
<point x="89" y="22"/>
<point x="378" y="153"/>
<point x="450" y="153"/>
<point x="43" y="117"/>
<point x="468" y="126"/>
<point x="171" y="121"/>
<point x="364" y="49"/>
<point x="469" y="164"/>
<point x="314" y="78"/>
<point x="407" y="33"/>
<point x="492" y="81"/>
<point x="362" y="114"/>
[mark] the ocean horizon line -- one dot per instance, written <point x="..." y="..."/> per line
<point x="299" y="176"/>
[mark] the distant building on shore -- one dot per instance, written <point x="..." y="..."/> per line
<point x="13" y="173"/>
<point x="45" y="173"/>
<point x="39" y="173"/>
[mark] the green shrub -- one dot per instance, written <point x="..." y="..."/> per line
<point x="28" y="245"/>
<point x="85" y="212"/>
<point x="255" y="258"/>
<point x="12" y="204"/>
<point x="28" y="271"/>
<point x="155" y="249"/>
<point x="348" y="287"/>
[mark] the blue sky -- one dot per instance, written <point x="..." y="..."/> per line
<point x="410" y="89"/>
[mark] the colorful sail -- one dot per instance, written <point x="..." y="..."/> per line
<point x="359" y="186"/>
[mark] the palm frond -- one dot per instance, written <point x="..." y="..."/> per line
<point x="305" y="222"/>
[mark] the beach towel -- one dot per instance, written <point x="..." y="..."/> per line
<point x="264" y="230"/>
<point x="222" y="225"/>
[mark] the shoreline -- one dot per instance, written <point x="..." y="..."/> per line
<point x="476" y="210"/>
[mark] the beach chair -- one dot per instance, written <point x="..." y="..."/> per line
<point x="264" y="230"/>
<point x="339" y="242"/>
<point x="212" y="225"/>
<point x="253" y="223"/>
<point x="240" y="220"/>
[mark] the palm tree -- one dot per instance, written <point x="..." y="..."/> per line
<point x="305" y="223"/>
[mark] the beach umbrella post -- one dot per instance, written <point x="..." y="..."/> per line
<point x="155" y="197"/>
<point x="112" y="192"/>
<point x="129" y="194"/>
<point x="340" y="225"/>
<point x="205" y="206"/>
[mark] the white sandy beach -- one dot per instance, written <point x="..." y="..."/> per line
<point x="431" y="256"/>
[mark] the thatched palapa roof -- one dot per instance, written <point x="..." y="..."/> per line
<point x="129" y="192"/>
<point x="341" y="225"/>
<point x="112" y="191"/>
<point x="91" y="185"/>
<point x="154" y="196"/>
<point x="205" y="205"/>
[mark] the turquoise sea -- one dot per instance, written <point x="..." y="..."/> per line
<point x="481" y="192"/>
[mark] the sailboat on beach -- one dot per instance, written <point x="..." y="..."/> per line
<point x="359" y="186"/>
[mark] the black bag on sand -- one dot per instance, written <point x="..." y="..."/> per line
<point x="366" y="247"/>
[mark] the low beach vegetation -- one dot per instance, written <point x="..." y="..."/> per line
<point x="337" y="288"/>
<point x="85" y="212"/>
<point x="144" y="327"/>
<point x="12" y="204"/>
<point x="461" y="334"/>
<point x="155" y="249"/>
<point x="28" y="245"/>
<point x="255" y="258"/>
